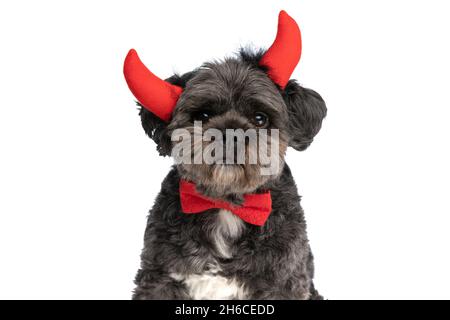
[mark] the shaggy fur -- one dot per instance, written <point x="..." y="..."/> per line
<point x="180" y="251"/>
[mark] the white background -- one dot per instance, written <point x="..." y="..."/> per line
<point x="78" y="175"/>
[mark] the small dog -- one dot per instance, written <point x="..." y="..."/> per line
<point x="221" y="230"/>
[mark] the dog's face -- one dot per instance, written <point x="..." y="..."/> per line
<point x="237" y="94"/>
<point x="251" y="94"/>
<point x="228" y="96"/>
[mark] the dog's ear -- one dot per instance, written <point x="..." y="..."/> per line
<point x="156" y="128"/>
<point x="306" y="110"/>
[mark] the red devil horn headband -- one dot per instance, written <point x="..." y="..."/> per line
<point x="284" y="54"/>
<point x="156" y="95"/>
<point x="160" y="97"/>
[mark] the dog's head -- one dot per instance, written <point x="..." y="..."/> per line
<point x="237" y="99"/>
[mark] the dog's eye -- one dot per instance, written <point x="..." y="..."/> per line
<point x="201" y="115"/>
<point x="260" y="119"/>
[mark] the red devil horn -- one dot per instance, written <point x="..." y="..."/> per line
<point x="284" y="54"/>
<point x="156" y="95"/>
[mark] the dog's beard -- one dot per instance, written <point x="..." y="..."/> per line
<point x="223" y="180"/>
<point x="229" y="180"/>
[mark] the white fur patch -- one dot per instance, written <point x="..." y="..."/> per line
<point x="211" y="287"/>
<point x="229" y="227"/>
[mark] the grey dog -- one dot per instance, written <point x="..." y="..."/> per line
<point x="215" y="254"/>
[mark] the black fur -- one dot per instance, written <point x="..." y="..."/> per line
<point x="306" y="110"/>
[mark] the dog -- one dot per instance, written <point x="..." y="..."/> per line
<point x="221" y="230"/>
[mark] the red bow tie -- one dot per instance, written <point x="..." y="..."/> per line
<point x="255" y="209"/>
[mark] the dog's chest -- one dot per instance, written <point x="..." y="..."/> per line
<point x="211" y="284"/>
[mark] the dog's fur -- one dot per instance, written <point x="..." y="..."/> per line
<point x="215" y="254"/>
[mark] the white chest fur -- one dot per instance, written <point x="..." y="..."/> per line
<point x="228" y="228"/>
<point x="210" y="285"/>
